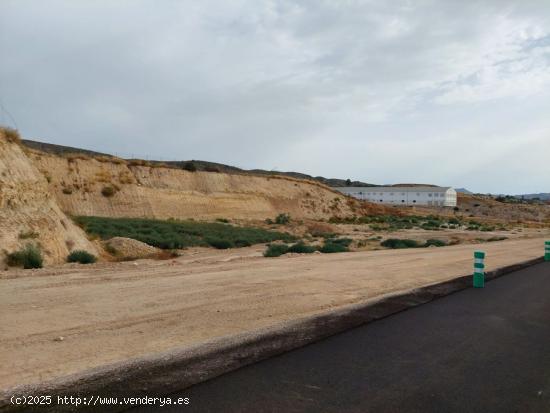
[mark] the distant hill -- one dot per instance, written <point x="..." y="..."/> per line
<point x="198" y="165"/>
<point x="543" y="196"/>
<point x="413" y="185"/>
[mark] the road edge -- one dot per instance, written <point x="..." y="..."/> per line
<point x="177" y="369"/>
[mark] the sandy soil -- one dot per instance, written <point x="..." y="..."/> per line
<point x="110" y="312"/>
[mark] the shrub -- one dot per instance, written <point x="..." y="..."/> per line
<point x="189" y="166"/>
<point x="108" y="191"/>
<point x="276" y="250"/>
<point x="12" y="135"/>
<point x="177" y="234"/>
<point x="223" y="220"/>
<point x="28" y="234"/>
<point x="28" y="257"/>
<point x="486" y="228"/>
<point x="211" y="168"/>
<point x="82" y="257"/>
<point x="240" y="243"/>
<point x="219" y="243"/>
<point x="302" y="248"/>
<point x="325" y="235"/>
<point x="282" y="219"/>
<point x="435" y="242"/>
<point x="396" y="243"/>
<point x="67" y="191"/>
<point x="493" y="239"/>
<point x="332" y="247"/>
<point x="346" y="242"/>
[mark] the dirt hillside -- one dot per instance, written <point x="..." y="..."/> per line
<point x="84" y="185"/>
<point x="29" y="212"/>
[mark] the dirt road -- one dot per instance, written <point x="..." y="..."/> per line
<point x="59" y="321"/>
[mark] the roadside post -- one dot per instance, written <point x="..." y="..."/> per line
<point x="546" y="250"/>
<point x="479" y="266"/>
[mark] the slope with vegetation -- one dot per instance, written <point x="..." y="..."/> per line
<point x="32" y="226"/>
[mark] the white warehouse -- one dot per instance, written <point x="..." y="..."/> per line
<point x="404" y="195"/>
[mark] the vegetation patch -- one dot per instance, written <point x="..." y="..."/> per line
<point x="333" y="245"/>
<point x="282" y="219"/>
<point x="396" y="243"/>
<point x="189" y="166"/>
<point x="276" y="250"/>
<point x="435" y="243"/>
<point x="28" y="235"/>
<point x="301" y="248"/>
<point x="82" y="257"/>
<point x="396" y="222"/>
<point x="493" y="239"/>
<point x="108" y="191"/>
<point x="12" y="135"/>
<point x="220" y="243"/>
<point x="174" y="234"/>
<point x="29" y="256"/>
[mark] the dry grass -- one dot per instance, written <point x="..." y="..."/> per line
<point x="72" y="157"/>
<point x="103" y="176"/>
<point x="12" y="135"/>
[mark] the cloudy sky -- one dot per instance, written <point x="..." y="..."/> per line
<point x="445" y="92"/>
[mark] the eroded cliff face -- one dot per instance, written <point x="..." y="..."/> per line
<point x="78" y="184"/>
<point x="29" y="212"/>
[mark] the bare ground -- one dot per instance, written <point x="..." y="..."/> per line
<point x="58" y="321"/>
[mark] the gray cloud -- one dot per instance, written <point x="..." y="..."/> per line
<point x="449" y="92"/>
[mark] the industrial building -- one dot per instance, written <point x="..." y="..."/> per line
<point x="404" y="195"/>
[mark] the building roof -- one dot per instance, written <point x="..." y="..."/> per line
<point x="394" y="189"/>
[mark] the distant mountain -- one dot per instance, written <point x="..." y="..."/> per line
<point x="198" y="165"/>
<point x="543" y="196"/>
<point x="463" y="191"/>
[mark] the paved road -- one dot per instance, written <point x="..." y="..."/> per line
<point x="474" y="351"/>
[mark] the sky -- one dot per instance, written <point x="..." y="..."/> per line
<point x="453" y="93"/>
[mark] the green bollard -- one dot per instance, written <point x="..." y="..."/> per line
<point x="479" y="266"/>
<point x="547" y="251"/>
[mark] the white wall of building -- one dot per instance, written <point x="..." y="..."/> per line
<point x="430" y="196"/>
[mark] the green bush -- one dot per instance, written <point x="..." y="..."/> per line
<point x="346" y="242"/>
<point x="28" y="257"/>
<point x="282" y="219"/>
<point x="189" y="166"/>
<point x="178" y="234"/>
<point x="435" y="242"/>
<point x="302" y="248"/>
<point x="219" y="243"/>
<point x="276" y="250"/>
<point x="397" y="243"/>
<point x="222" y="220"/>
<point x="332" y="247"/>
<point x="82" y="257"/>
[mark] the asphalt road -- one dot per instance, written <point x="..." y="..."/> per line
<point x="479" y="350"/>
